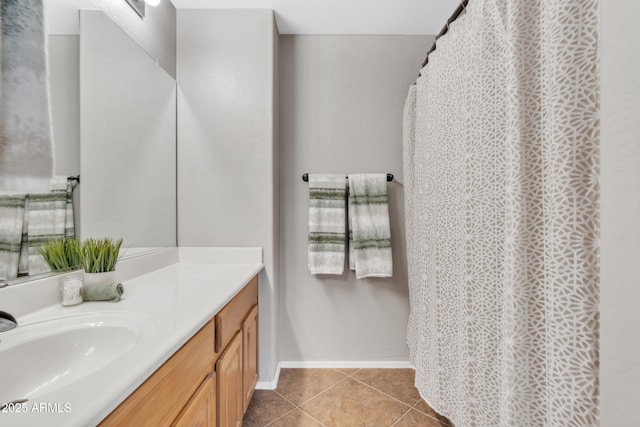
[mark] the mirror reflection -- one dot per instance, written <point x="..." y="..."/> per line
<point x="113" y="120"/>
<point x="127" y="139"/>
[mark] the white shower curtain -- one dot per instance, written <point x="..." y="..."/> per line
<point x="501" y="181"/>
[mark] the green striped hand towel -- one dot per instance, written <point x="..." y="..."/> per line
<point x="369" y="228"/>
<point x="327" y="194"/>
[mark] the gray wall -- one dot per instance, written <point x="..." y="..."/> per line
<point x="156" y="33"/>
<point x="227" y="144"/>
<point x="620" y="215"/>
<point x="64" y="77"/>
<point x="341" y="105"/>
<point x="274" y="296"/>
<point x="128" y="138"/>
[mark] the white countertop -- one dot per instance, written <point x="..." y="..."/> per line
<point x="177" y="300"/>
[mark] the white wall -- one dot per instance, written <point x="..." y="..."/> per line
<point x="341" y="105"/>
<point x="227" y="144"/>
<point x="620" y="215"/>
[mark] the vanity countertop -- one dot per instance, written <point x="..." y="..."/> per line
<point x="175" y="301"/>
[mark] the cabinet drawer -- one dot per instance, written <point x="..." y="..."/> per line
<point x="159" y="400"/>
<point x="229" y="319"/>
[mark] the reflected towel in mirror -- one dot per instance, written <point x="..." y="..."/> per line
<point x="45" y="219"/>
<point x="11" y="224"/>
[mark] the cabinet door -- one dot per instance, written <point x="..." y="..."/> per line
<point x="201" y="409"/>
<point x="250" y="355"/>
<point x="229" y="377"/>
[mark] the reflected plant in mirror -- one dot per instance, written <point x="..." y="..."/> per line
<point x="62" y="254"/>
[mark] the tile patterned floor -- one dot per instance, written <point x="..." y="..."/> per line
<point x="342" y="398"/>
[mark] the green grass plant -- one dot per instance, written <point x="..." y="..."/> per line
<point x="100" y="255"/>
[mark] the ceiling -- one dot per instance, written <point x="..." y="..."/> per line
<point x="412" y="17"/>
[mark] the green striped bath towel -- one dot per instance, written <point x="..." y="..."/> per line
<point x="327" y="237"/>
<point x="369" y="228"/>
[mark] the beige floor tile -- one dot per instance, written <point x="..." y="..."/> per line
<point x="265" y="407"/>
<point x="426" y="409"/>
<point x="348" y="371"/>
<point x="395" y="382"/>
<point x="415" y="418"/>
<point x="351" y="403"/>
<point x="300" y="385"/>
<point x="296" y="418"/>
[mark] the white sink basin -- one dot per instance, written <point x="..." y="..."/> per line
<point x="38" y="358"/>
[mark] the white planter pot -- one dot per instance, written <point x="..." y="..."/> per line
<point x="97" y="279"/>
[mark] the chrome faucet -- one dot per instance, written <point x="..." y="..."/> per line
<point x="7" y="322"/>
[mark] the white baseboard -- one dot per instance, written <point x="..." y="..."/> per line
<point x="379" y="364"/>
<point x="271" y="385"/>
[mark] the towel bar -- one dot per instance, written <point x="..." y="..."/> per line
<point x="305" y="177"/>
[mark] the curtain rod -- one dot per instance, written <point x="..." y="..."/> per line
<point x="461" y="8"/>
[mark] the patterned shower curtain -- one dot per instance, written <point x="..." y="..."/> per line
<point x="502" y="214"/>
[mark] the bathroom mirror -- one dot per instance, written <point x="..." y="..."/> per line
<point x="127" y="139"/>
<point x="114" y="122"/>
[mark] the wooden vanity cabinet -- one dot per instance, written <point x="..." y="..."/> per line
<point x="165" y="394"/>
<point x="237" y="368"/>
<point x="230" y="395"/>
<point x="209" y="381"/>
<point x="250" y="371"/>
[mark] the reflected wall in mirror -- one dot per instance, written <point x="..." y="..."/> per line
<point x="127" y="139"/>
